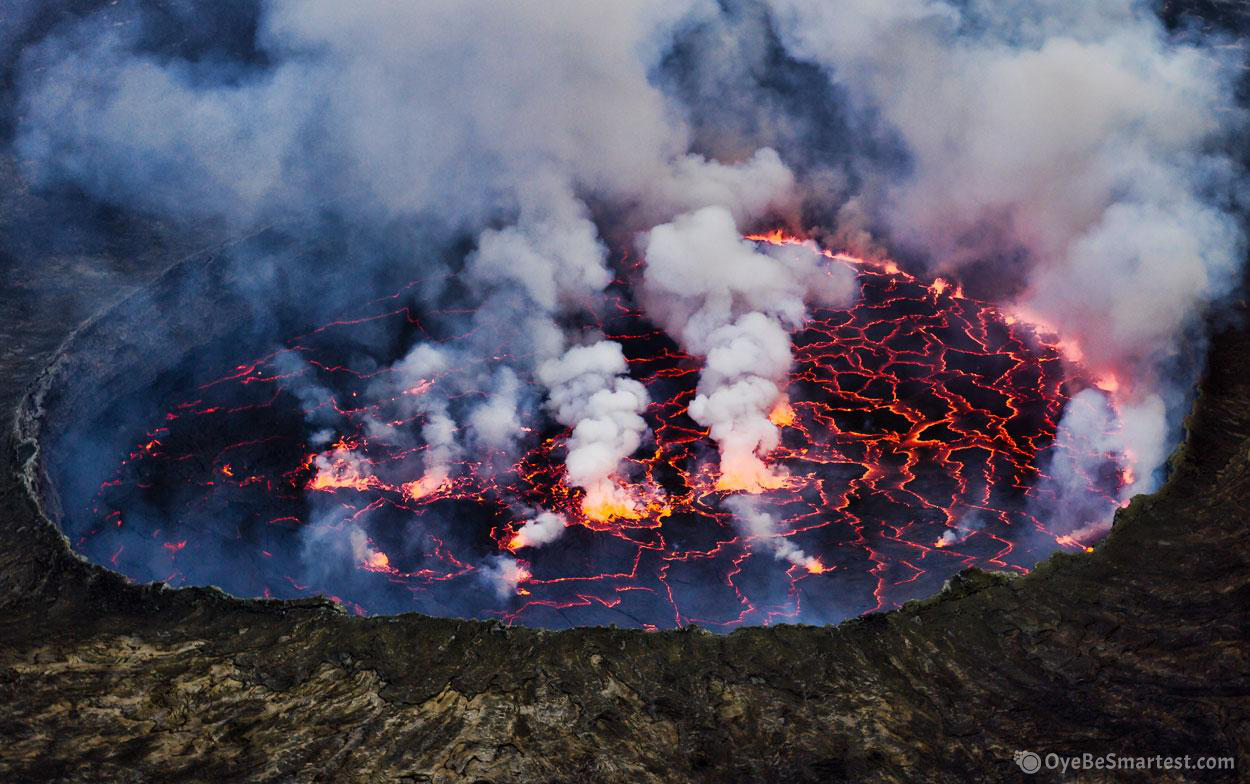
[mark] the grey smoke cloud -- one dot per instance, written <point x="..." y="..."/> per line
<point x="1066" y="155"/>
<point x="468" y="116"/>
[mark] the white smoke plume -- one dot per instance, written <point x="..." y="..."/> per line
<point x="590" y="391"/>
<point x="330" y="535"/>
<point x="733" y="304"/>
<point x="553" y="254"/>
<point x="762" y="529"/>
<point x="414" y="389"/>
<point x="1068" y="152"/>
<point x="316" y="401"/>
<point x="494" y="423"/>
<point x="1095" y="429"/>
<point x="543" y="528"/>
<point x="504" y="574"/>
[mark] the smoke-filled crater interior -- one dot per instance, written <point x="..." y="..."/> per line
<point x="401" y="457"/>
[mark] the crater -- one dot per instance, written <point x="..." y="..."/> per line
<point x="181" y="442"/>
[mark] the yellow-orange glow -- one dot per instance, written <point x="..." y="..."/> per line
<point x="612" y="499"/>
<point x="782" y="414"/>
<point x="748" y="475"/>
<point x="815" y="567"/>
<point x="522" y="574"/>
<point x="776" y="237"/>
<point x="1108" y="383"/>
<point x="1071" y="350"/>
<point x="420" y="488"/>
<point x="938" y="286"/>
<point x="1070" y="542"/>
<point x="609" y="501"/>
<point x="342" y="474"/>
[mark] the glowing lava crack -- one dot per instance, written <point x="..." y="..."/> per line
<point x="916" y="435"/>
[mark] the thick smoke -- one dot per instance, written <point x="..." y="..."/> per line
<point x="592" y="393"/>
<point x="459" y="117"/>
<point x="1067" y="159"/>
<point x="1063" y="156"/>
<point x="724" y="299"/>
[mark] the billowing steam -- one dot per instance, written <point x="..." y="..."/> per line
<point x="1063" y="156"/>
<point x="735" y="305"/>
<point x="1067" y="159"/>
<point x="543" y="529"/>
<point x="591" y="392"/>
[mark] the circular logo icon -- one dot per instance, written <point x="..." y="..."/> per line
<point x="1028" y="761"/>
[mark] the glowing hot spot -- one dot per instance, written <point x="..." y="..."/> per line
<point x="607" y="501"/>
<point x="782" y="414"/>
<point x="1108" y="383"/>
<point x="340" y="471"/>
<point x="426" y="485"/>
<point x="749" y="476"/>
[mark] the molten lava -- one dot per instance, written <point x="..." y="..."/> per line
<point x="915" y="436"/>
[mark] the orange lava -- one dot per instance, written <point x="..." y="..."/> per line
<point x="913" y="413"/>
<point x="782" y="414"/>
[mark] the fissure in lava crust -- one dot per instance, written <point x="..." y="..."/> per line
<point x="916" y="437"/>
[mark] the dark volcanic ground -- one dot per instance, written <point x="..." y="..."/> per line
<point x="1141" y="648"/>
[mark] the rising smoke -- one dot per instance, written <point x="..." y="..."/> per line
<point x="735" y="306"/>
<point x="1068" y="159"/>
